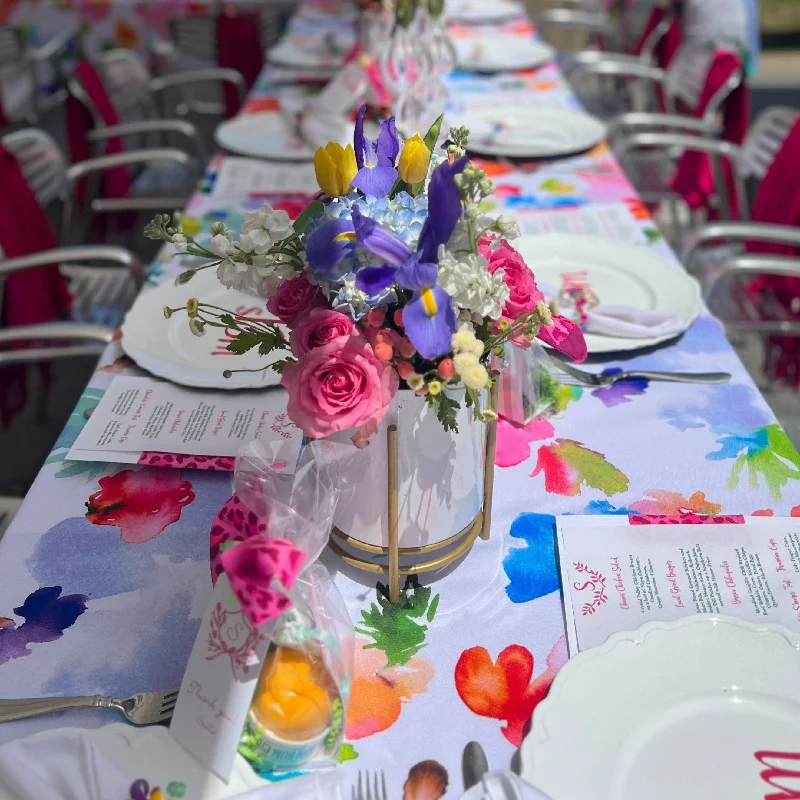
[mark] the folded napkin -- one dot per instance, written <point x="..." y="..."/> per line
<point x="627" y="322"/>
<point x="60" y="767"/>
<point x="503" y="785"/>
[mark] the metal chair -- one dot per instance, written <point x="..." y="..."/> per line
<point x="715" y="252"/>
<point x="96" y="287"/>
<point x="22" y="99"/>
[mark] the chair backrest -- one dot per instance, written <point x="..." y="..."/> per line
<point x="17" y="78"/>
<point x="42" y="163"/>
<point x="195" y="37"/>
<point x="127" y="81"/>
<point x="686" y="78"/>
<point x="12" y="47"/>
<point x="764" y="139"/>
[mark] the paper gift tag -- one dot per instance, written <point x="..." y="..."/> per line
<point x="219" y="682"/>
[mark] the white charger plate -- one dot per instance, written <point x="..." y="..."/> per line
<point x="168" y="349"/>
<point x="672" y="710"/>
<point x="288" y="55"/>
<point x="269" y="135"/>
<point x="501" y="53"/>
<point x="531" y="132"/>
<point x="478" y="11"/>
<point x="620" y="274"/>
<point x="152" y="754"/>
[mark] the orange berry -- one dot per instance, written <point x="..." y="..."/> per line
<point x="446" y="369"/>
<point x="383" y="351"/>
<point x="404" y="369"/>
<point x="375" y="317"/>
<point x="398" y="317"/>
<point x="406" y="348"/>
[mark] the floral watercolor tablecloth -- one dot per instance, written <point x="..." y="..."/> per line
<point x="105" y="569"/>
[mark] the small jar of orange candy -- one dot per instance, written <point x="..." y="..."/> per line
<point x="293" y="709"/>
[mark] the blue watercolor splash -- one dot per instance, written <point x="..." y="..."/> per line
<point x="91" y="559"/>
<point x="606" y="508"/>
<point x="47" y="615"/>
<point x="532" y="570"/>
<point x="724" y="405"/>
<point x="621" y="391"/>
<point x="735" y="439"/>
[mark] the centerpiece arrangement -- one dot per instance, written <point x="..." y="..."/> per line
<point x="392" y="277"/>
<point x="390" y="295"/>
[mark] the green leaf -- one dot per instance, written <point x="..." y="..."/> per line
<point x="472" y="399"/>
<point x="279" y="365"/>
<point x="228" y="320"/>
<point x="243" y="342"/>
<point x="399" y="186"/>
<point x="430" y="139"/>
<point x="301" y="223"/>
<point x="446" y="412"/>
<point x="346" y="753"/>
<point x="432" y="609"/>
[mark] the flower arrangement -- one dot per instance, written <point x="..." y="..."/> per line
<point x="392" y="277"/>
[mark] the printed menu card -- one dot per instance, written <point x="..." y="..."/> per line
<point x="619" y="573"/>
<point x="145" y="421"/>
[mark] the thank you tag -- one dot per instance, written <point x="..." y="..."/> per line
<point x="220" y="681"/>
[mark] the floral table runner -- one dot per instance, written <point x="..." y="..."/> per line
<point x="105" y="571"/>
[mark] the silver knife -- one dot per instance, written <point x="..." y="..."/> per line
<point x="473" y="765"/>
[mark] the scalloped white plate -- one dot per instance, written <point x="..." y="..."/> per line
<point x="482" y="11"/>
<point x="620" y="274"/>
<point x="703" y="708"/>
<point x="152" y="754"/>
<point x="168" y="349"/>
<point x="501" y="53"/>
<point x="529" y="132"/>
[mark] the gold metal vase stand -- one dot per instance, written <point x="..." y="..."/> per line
<point x="456" y="545"/>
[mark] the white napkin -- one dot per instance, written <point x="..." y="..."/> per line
<point x="67" y="767"/>
<point x="627" y="322"/>
<point x="503" y="785"/>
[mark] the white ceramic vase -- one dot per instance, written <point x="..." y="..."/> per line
<point x="440" y="476"/>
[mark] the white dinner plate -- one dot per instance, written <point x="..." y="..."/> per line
<point x="527" y="132"/>
<point x="168" y="349"/>
<point x="478" y="11"/>
<point x="269" y="135"/>
<point x="501" y="53"/>
<point x="151" y="754"/>
<point x="703" y="708"/>
<point x="620" y="274"/>
<point x="317" y="58"/>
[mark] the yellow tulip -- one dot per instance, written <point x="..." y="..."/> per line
<point x="414" y="160"/>
<point x="335" y="167"/>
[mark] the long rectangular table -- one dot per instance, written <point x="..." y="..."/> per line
<point x="105" y="569"/>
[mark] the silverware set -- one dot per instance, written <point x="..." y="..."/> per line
<point x="370" y="786"/>
<point x="145" y="708"/>
<point x="573" y="375"/>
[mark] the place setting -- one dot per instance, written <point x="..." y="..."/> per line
<point x="492" y="54"/>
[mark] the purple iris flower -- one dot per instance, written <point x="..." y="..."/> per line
<point x="429" y="317"/>
<point x="328" y="246"/>
<point x="376" y="172"/>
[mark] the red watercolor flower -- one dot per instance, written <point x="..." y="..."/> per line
<point x="504" y="689"/>
<point x="141" y="504"/>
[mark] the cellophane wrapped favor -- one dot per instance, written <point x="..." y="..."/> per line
<point x="298" y="710"/>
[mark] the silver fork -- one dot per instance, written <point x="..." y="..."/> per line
<point x="593" y="379"/>
<point x="145" y="708"/>
<point x="370" y="791"/>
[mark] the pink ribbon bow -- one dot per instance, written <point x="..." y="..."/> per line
<point x="251" y="567"/>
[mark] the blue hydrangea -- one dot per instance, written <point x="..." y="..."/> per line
<point x="404" y="215"/>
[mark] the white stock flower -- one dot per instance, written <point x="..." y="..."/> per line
<point x="472" y="288"/>
<point x="220" y="245"/>
<point x="180" y="242"/>
<point x="264" y="227"/>
<point x="507" y="226"/>
<point x="234" y="275"/>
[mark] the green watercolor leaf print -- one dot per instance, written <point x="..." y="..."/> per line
<point x="778" y="462"/>
<point x="568" y="467"/>
<point x="393" y="628"/>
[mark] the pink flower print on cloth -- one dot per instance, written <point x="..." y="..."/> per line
<point x="253" y="567"/>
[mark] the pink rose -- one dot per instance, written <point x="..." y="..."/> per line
<point x="338" y="385"/>
<point x="524" y="294"/>
<point x="320" y="326"/>
<point x="293" y="298"/>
